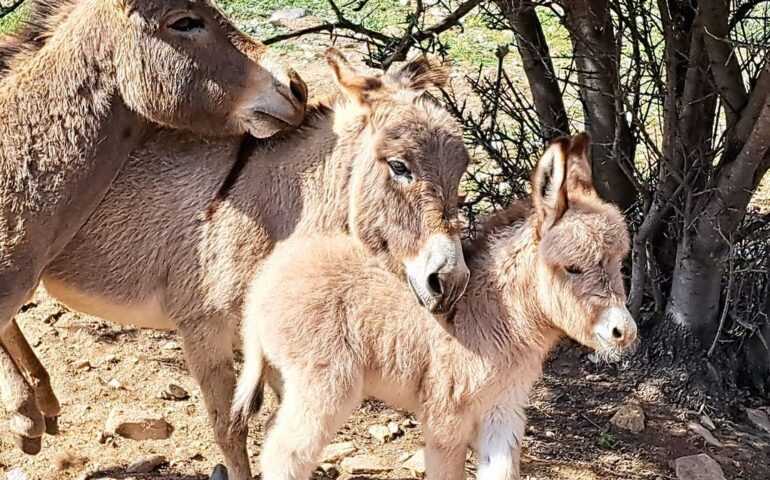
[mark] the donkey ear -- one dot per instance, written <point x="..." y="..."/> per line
<point x="422" y="73"/>
<point x="549" y="193"/>
<point x="579" y="177"/>
<point x="355" y="85"/>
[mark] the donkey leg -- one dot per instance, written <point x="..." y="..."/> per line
<point x="446" y="446"/>
<point x="40" y="381"/>
<point x="17" y="283"/>
<point x="310" y="413"/>
<point x="209" y="352"/>
<point x="499" y="439"/>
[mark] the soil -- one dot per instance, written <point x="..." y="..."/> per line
<point x="569" y="434"/>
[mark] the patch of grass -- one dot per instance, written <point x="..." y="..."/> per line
<point x="11" y="22"/>
<point x="607" y="441"/>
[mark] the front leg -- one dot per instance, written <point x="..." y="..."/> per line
<point x="499" y="438"/>
<point x="447" y="437"/>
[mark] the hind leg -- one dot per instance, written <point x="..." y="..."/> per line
<point x="16" y="286"/>
<point x="40" y="381"/>
<point x="208" y="348"/>
<point x="310" y="414"/>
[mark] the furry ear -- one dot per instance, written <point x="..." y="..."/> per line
<point x="549" y="193"/>
<point x="579" y="177"/>
<point x="421" y="73"/>
<point x="354" y="85"/>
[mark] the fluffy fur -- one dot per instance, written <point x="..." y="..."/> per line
<point x="327" y="327"/>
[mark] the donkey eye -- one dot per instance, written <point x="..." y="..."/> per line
<point x="400" y="169"/>
<point x="187" y="24"/>
<point x="574" y="270"/>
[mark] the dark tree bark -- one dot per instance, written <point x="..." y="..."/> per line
<point x="597" y="57"/>
<point x="536" y="58"/>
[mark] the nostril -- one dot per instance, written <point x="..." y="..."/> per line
<point x="298" y="90"/>
<point x="617" y="333"/>
<point x="435" y="284"/>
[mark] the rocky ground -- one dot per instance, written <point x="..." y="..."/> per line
<point x="587" y="421"/>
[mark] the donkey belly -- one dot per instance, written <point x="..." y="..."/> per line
<point x="147" y="313"/>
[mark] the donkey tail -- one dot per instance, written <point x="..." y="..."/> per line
<point x="249" y="393"/>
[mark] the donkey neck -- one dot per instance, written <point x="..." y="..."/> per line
<point x="65" y="132"/>
<point x="499" y="313"/>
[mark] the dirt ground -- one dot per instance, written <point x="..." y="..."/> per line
<point x="569" y="434"/>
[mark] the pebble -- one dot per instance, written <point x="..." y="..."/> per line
<point x="330" y="470"/>
<point x="174" y="392"/>
<point x="698" y="467"/>
<point x="629" y="417"/>
<point x="171" y="346"/>
<point x="394" y="428"/>
<point x="82" y="365"/>
<point x="593" y="377"/>
<point x="381" y="433"/>
<point x="280" y="16"/>
<point x="364" y="465"/>
<point x="697" y="428"/>
<point x="115" y="384"/>
<point x="336" y="451"/>
<point x="408" y="423"/>
<point x="705" y="420"/>
<point x="137" y="425"/>
<point x="146" y="465"/>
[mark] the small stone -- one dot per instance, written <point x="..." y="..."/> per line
<point x="174" y="392"/>
<point x="364" y="465"/>
<point x="279" y="17"/>
<point x="705" y="420"/>
<point x="703" y="432"/>
<point x="416" y="464"/>
<point x="629" y="417"/>
<point x="137" y="425"/>
<point x="171" y="346"/>
<point x="115" y="384"/>
<point x="111" y="359"/>
<point x="146" y="465"/>
<point x="593" y="377"/>
<point x="330" y="470"/>
<point x="380" y="433"/>
<point x="18" y="474"/>
<point x="336" y="451"/>
<point x="549" y="434"/>
<point x="394" y="428"/>
<point x="219" y="473"/>
<point x="408" y="423"/>
<point x="82" y="365"/>
<point x="759" y="419"/>
<point x="698" y="467"/>
<point x="593" y="358"/>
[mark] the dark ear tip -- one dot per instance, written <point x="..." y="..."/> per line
<point x="580" y="143"/>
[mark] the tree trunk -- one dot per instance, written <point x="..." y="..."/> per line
<point x="536" y="58"/>
<point x="596" y="56"/>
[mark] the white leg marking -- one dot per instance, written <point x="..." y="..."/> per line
<point x="500" y="435"/>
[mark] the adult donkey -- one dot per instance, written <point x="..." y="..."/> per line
<point x="84" y="82"/>
<point x="380" y="161"/>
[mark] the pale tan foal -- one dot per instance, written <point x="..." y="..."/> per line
<point x="380" y="161"/>
<point x="327" y="327"/>
<point x="82" y="83"/>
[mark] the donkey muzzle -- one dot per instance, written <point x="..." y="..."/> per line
<point x="438" y="275"/>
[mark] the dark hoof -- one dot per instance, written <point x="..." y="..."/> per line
<point x="219" y="473"/>
<point x="51" y="425"/>
<point x="30" y="446"/>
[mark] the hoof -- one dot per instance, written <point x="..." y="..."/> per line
<point x="29" y="445"/>
<point x="219" y="473"/>
<point x="51" y="425"/>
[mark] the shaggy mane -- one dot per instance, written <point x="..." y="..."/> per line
<point x="40" y="19"/>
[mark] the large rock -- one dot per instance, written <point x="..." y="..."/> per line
<point x="381" y="433"/>
<point x="416" y="464"/>
<point x="336" y="451"/>
<point x="137" y="425"/>
<point x="629" y="417"/>
<point x="698" y="467"/>
<point x="759" y="419"/>
<point x="364" y="465"/>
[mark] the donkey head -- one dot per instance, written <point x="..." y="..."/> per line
<point x="181" y="64"/>
<point x="582" y="242"/>
<point x="408" y="157"/>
